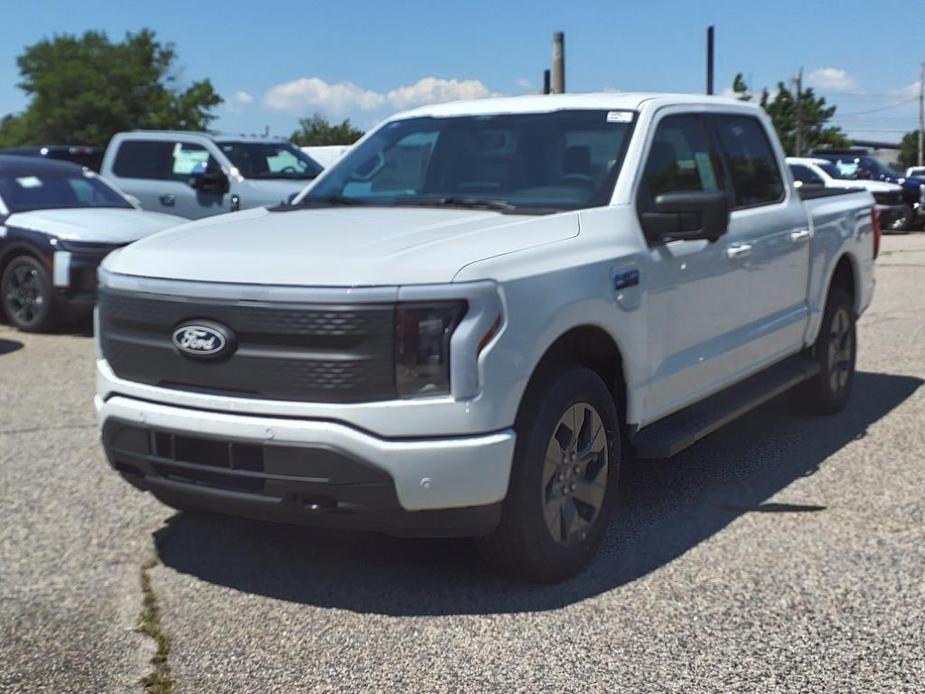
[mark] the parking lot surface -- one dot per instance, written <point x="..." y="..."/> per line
<point x="784" y="553"/>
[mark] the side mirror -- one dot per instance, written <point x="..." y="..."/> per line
<point x="209" y="182"/>
<point x="687" y="216"/>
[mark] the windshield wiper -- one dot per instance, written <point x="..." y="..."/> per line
<point x="331" y="200"/>
<point x="459" y="201"/>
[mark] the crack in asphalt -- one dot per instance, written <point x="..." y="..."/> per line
<point x="160" y="679"/>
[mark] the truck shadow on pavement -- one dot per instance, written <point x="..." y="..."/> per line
<point x="7" y="346"/>
<point x="668" y="507"/>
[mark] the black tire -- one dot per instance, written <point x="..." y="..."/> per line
<point x="835" y="350"/>
<point x="28" y="295"/>
<point x="536" y="507"/>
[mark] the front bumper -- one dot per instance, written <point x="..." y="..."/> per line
<point x="308" y="471"/>
<point x="74" y="275"/>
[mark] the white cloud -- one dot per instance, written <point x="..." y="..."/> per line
<point x="832" y="79"/>
<point x="238" y="101"/>
<point x="433" y="90"/>
<point x="314" y="93"/>
<point x="344" y="98"/>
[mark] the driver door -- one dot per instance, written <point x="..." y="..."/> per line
<point x="699" y="291"/>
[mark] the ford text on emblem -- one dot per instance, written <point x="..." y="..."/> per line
<point x="201" y="340"/>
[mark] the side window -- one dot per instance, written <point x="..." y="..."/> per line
<point x="142" y="159"/>
<point x="185" y="158"/>
<point x="680" y="159"/>
<point x="756" y="179"/>
<point x="805" y="175"/>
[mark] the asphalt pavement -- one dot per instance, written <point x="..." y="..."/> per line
<point x="784" y="553"/>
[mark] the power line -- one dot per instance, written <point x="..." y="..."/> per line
<point x="882" y="108"/>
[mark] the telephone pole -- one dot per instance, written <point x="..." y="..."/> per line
<point x="799" y="113"/>
<point x="921" y="110"/>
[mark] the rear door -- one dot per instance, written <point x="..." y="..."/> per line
<point x="770" y="221"/>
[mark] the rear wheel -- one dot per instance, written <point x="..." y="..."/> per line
<point x="835" y="351"/>
<point x="28" y="295"/>
<point x="563" y="481"/>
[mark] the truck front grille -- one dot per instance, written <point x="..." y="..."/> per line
<point x="284" y="351"/>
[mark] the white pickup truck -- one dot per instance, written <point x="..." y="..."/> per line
<point x="466" y="324"/>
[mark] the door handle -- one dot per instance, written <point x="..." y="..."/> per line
<point x="168" y="200"/>
<point x="739" y="250"/>
<point x="799" y="236"/>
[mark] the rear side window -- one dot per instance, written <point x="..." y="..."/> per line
<point x="756" y="179"/>
<point x="142" y="159"/>
<point x="805" y="175"/>
<point x="680" y="159"/>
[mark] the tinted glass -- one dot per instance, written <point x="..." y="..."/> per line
<point x="270" y="160"/>
<point x="833" y="171"/>
<point x="804" y="174"/>
<point x="57" y="190"/>
<point x="756" y="179"/>
<point x="528" y="162"/>
<point x="142" y="159"/>
<point x="680" y="159"/>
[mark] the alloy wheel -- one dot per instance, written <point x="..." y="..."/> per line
<point x="23" y="297"/>
<point x="841" y="350"/>
<point x="575" y="474"/>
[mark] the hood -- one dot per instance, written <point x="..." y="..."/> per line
<point x="350" y="247"/>
<point x="95" y="224"/>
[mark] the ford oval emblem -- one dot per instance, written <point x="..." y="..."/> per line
<point x="202" y="339"/>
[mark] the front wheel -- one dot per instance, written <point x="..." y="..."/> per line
<point x="835" y="351"/>
<point x="903" y="222"/>
<point x="563" y="481"/>
<point x="28" y="295"/>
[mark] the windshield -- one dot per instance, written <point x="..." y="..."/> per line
<point x="270" y="160"/>
<point x="835" y="172"/>
<point x="55" y="190"/>
<point x="521" y="163"/>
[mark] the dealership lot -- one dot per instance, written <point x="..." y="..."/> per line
<point x="784" y="553"/>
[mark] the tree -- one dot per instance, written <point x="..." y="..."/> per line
<point x="782" y="109"/>
<point x="317" y="131"/>
<point x="85" y="89"/>
<point x="909" y="150"/>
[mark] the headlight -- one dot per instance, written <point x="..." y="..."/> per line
<point x="422" y="346"/>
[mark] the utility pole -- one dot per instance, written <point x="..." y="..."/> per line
<point x="921" y="110"/>
<point x="558" y="63"/>
<point x="710" y="59"/>
<point x="799" y="109"/>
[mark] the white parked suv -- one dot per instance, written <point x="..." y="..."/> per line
<point x="466" y="324"/>
<point x="197" y="175"/>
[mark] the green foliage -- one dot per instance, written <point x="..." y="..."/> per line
<point x="909" y="150"/>
<point x="740" y="88"/>
<point x="85" y="89"/>
<point x="317" y="131"/>
<point x="782" y="109"/>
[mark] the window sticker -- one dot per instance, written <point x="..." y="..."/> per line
<point x="705" y="169"/>
<point x="29" y="182"/>
<point x="620" y="116"/>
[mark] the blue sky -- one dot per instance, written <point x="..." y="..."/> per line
<point x="276" y="61"/>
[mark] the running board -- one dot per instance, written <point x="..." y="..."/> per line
<point x="683" y="429"/>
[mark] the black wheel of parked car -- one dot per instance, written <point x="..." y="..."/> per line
<point x="835" y="350"/>
<point x="564" y="478"/>
<point x="28" y="295"/>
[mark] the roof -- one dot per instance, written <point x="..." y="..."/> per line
<point x="24" y="165"/>
<point x="544" y="103"/>
<point x="215" y="137"/>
